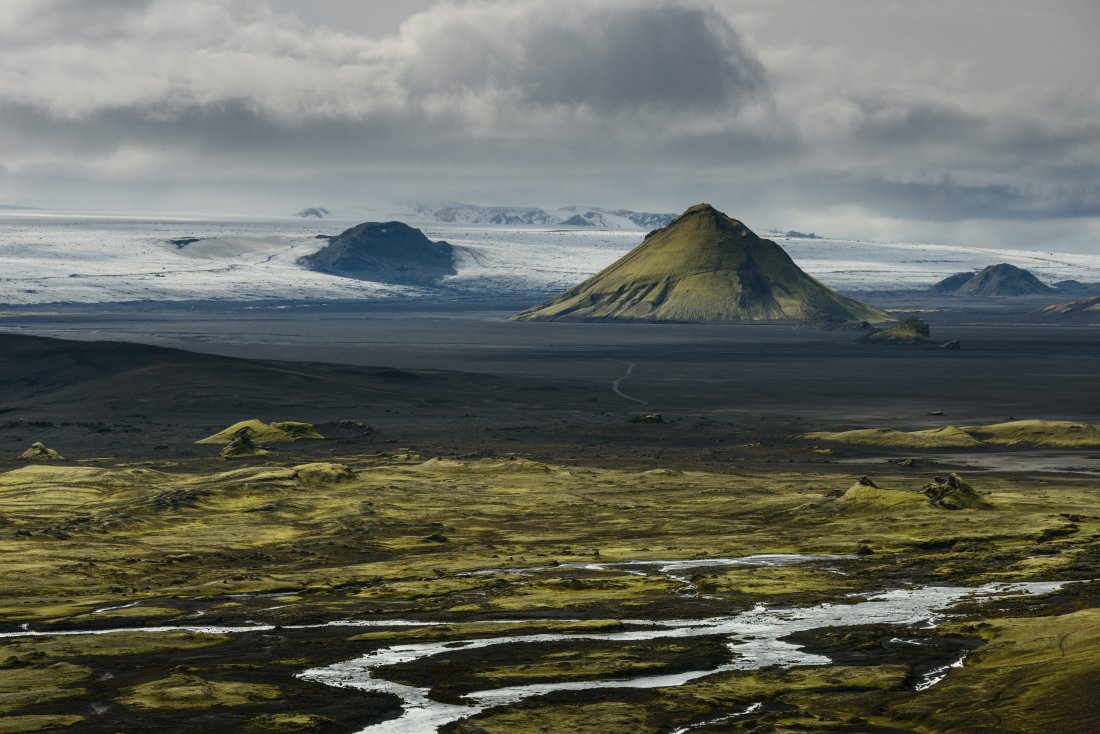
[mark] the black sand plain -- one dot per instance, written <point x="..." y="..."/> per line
<point x="461" y="378"/>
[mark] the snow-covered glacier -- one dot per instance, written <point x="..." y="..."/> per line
<point x="54" y="257"/>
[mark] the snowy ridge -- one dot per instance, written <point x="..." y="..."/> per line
<point x="81" y="258"/>
<point x="570" y="216"/>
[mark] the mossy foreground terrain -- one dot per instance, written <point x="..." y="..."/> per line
<point x="396" y="550"/>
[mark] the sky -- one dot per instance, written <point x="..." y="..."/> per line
<point x="973" y="122"/>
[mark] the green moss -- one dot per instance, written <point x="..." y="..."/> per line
<point x="184" y="691"/>
<point x="461" y="630"/>
<point x="1052" y="434"/>
<point x="625" y="661"/>
<point x="704" y="267"/>
<point x="1033" y="675"/>
<point x="598" y="718"/>
<point x="32" y="723"/>
<point x="25" y="686"/>
<point x="323" y="473"/>
<point x="288" y="723"/>
<point x="133" y="643"/>
<point x="908" y="331"/>
<point x="933" y="438"/>
<point x="260" y="432"/>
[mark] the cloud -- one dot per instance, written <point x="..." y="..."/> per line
<point x="472" y="61"/>
<point x="778" y="108"/>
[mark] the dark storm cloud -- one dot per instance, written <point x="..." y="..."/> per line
<point x="618" y="57"/>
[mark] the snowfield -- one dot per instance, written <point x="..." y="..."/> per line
<point x="49" y="257"/>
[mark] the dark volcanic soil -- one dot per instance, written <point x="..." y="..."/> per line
<point x="474" y="383"/>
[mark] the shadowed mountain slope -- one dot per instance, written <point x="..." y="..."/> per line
<point x="1080" y="307"/>
<point x="996" y="280"/>
<point x="384" y="252"/>
<point x="705" y="267"/>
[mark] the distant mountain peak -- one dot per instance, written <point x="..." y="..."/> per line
<point x="384" y="252"/>
<point x="996" y="280"/>
<point x="704" y="267"/>
<point x="527" y="216"/>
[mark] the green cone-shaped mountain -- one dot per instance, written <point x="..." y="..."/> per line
<point x="705" y="268"/>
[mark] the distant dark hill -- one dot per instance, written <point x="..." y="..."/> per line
<point x="996" y="280"/>
<point x="704" y="267"/>
<point x="127" y="399"/>
<point x="384" y="252"/>
<point x="952" y="283"/>
<point x="1077" y="288"/>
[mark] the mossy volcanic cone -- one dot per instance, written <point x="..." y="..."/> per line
<point x="705" y="267"/>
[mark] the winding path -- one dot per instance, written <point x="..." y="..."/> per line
<point x="615" y="384"/>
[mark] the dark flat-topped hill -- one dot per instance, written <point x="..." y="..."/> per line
<point x="996" y="280"/>
<point x="384" y="252"/>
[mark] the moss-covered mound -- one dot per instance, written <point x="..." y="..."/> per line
<point x="242" y="446"/>
<point x="1052" y="434"/>
<point x="39" y="452"/>
<point x="182" y="691"/>
<point x="1080" y="307"/>
<point x="954" y="493"/>
<point x="1055" y="434"/>
<point x="865" y="495"/>
<point x="931" y="438"/>
<point x="909" y="331"/>
<point x="705" y="267"/>
<point x="324" y="473"/>
<point x="260" y="432"/>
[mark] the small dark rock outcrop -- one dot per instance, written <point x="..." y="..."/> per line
<point x="909" y="331"/>
<point x="40" y="452"/>
<point x="384" y="252"/>
<point x="347" y="429"/>
<point x="648" y="418"/>
<point x="242" y="446"/>
<point x="954" y="493"/>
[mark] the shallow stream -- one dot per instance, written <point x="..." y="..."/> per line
<point x="754" y="639"/>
